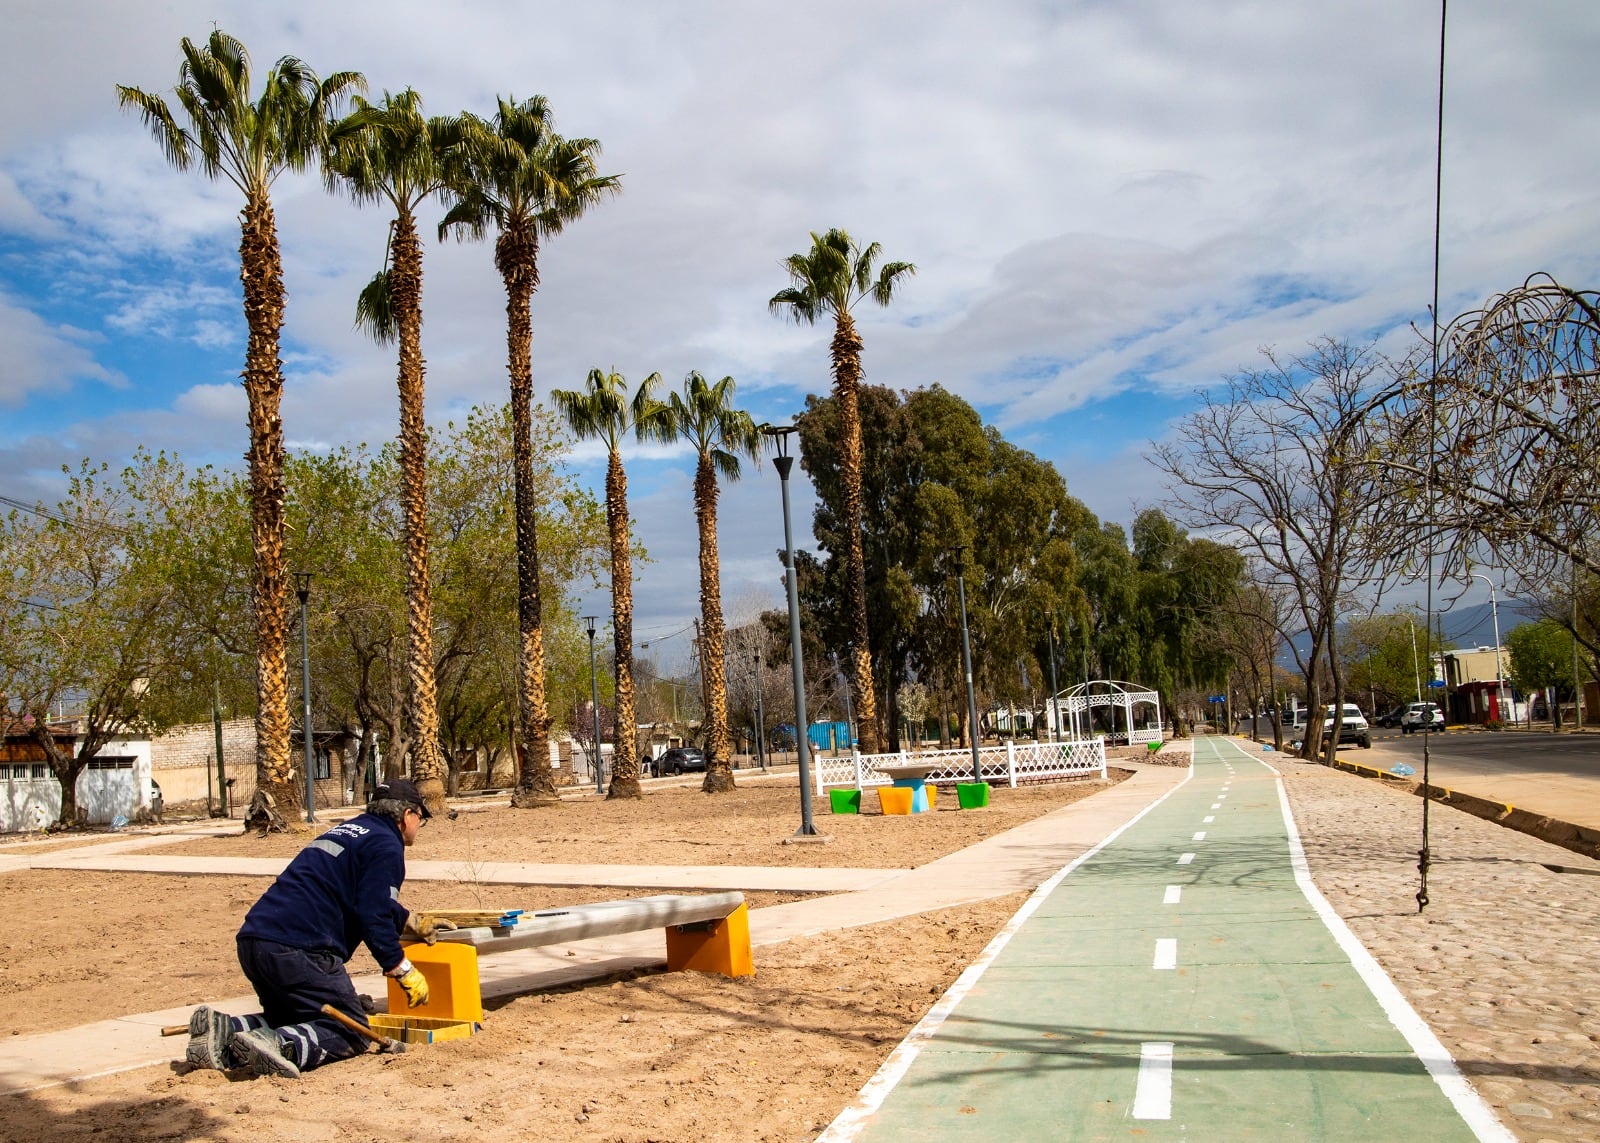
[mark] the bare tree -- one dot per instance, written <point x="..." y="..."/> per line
<point x="1505" y="441"/>
<point x="1282" y="465"/>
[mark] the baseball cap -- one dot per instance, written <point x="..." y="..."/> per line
<point x="401" y="790"/>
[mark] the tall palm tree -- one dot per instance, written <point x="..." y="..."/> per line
<point x="828" y="280"/>
<point x="703" y="415"/>
<point x="250" y="144"/>
<point x="390" y="153"/>
<point x="524" y="181"/>
<point x="604" y="412"/>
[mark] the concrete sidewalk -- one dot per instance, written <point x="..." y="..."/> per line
<point x="1018" y="860"/>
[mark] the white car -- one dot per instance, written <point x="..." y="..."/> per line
<point x="1352" y="726"/>
<point x="1421" y="716"/>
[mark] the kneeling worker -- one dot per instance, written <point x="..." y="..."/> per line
<point x="339" y="891"/>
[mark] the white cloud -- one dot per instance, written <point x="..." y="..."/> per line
<point x="40" y="357"/>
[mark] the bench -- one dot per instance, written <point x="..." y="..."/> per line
<point x="706" y="932"/>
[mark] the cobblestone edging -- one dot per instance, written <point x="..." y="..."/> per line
<point x="1502" y="964"/>
<point x="1579" y="839"/>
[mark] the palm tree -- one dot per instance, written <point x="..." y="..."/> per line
<point x="526" y="182"/>
<point x="830" y="279"/>
<point x="250" y="144"/>
<point x="390" y="153"/>
<point x="604" y="412"/>
<point x="703" y="414"/>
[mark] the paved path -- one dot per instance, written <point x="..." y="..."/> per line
<point x="1185" y="980"/>
<point x="1019" y="859"/>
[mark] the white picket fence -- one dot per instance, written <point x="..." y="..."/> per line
<point x="1011" y="764"/>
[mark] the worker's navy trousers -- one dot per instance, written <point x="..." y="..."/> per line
<point x="293" y="985"/>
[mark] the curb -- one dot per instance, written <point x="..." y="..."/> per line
<point x="1579" y="839"/>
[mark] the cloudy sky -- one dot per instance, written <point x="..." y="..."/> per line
<point x="1111" y="204"/>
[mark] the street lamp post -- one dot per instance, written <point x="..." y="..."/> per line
<point x="966" y="663"/>
<point x="302" y="588"/>
<point x="1055" y="692"/>
<point x="783" y="462"/>
<point x="849" y="712"/>
<point x="761" y="715"/>
<point x="594" y="701"/>
<point x="1499" y="675"/>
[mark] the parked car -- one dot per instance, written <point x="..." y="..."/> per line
<point x="680" y="760"/>
<point x="1420" y="716"/>
<point x="1353" y="726"/>
<point x="1391" y="717"/>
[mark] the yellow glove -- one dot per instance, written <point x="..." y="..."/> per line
<point x="425" y="927"/>
<point x="411" y="980"/>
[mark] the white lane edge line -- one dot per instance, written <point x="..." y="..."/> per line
<point x="1479" y="1116"/>
<point x="1185" y="859"/>
<point x="1152" y="1097"/>
<point x="1173" y="895"/>
<point x="850" y="1122"/>
<point x="1166" y="958"/>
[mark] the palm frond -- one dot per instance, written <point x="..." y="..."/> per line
<point x="375" y="310"/>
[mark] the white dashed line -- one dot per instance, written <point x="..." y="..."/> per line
<point x="1185" y="859"/>
<point x="1166" y="954"/>
<point x="1153" y="1097"/>
<point x="1200" y="836"/>
<point x="1174" y="892"/>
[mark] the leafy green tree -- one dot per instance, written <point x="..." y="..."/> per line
<point x="722" y="436"/>
<point x="524" y="182"/>
<point x="829" y="280"/>
<point x="88" y="614"/>
<point x="1541" y="657"/>
<point x="250" y="142"/>
<point x="604" y="411"/>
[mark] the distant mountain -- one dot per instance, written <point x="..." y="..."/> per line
<point x="1465" y="627"/>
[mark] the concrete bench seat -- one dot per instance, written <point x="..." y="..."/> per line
<point x="603" y="919"/>
<point x="705" y="932"/>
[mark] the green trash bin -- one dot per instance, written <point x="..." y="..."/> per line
<point x="972" y="795"/>
<point x="845" y="801"/>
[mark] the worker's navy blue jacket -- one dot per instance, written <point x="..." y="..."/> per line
<point x="342" y="889"/>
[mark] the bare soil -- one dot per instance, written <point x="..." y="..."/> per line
<point x="649" y="1056"/>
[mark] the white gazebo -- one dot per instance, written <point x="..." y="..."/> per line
<point x="1141" y="710"/>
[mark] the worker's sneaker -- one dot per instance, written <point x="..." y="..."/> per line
<point x="260" y="1050"/>
<point x="210" y="1034"/>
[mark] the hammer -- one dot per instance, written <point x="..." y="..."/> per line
<point x="384" y="1043"/>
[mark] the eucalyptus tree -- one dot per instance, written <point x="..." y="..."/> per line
<point x="523" y="182"/>
<point x="391" y="153"/>
<point x="828" y="280"/>
<point x="603" y="411"/>
<point x="250" y="142"/>
<point x="722" y="436"/>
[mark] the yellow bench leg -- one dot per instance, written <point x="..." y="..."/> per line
<point x="451" y="969"/>
<point x="713" y="946"/>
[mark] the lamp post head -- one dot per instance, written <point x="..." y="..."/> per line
<point x="590" y="621"/>
<point x="783" y="462"/>
<point x="302" y="585"/>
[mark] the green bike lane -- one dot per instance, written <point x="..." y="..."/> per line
<point x="1177" y="983"/>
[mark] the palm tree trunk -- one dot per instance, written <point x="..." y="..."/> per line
<point x="719" y="743"/>
<point x="422" y="705"/>
<point x="517" y="257"/>
<point x="846" y="351"/>
<point x="261" y="272"/>
<point x="625" y="761"/>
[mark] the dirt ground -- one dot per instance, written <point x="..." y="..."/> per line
<point x="651" y="1056"/>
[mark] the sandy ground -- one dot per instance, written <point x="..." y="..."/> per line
<point x="1501" y="965"/>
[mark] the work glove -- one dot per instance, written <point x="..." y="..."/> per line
<point x="425" y="927"/>
<point x="411" y="980"/>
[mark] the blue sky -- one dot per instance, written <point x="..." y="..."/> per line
<point x="1111" y="205"/>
